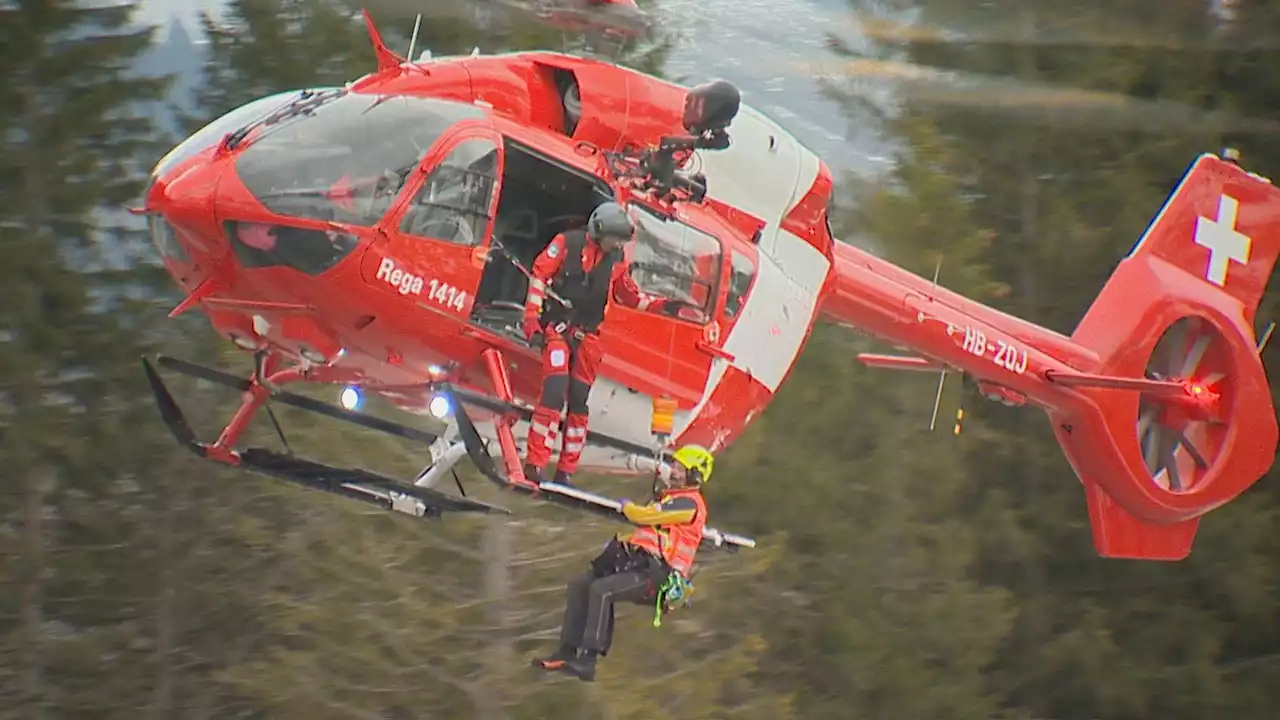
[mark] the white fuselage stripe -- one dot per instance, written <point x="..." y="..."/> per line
<point x="765" y="172"/>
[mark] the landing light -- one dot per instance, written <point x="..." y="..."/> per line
<point x="350" y="398"/>
<point x="439" y="407"/>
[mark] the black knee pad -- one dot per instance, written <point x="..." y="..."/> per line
<point x="578" y="394"/>
<point x="553" y="391"/>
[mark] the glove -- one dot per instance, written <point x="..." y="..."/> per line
<point x="530" y="326"/>
<point x="672" y="308"/>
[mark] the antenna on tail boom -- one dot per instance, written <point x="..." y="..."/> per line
<point x="414" y="39"/>
<point x="942" y="376"/>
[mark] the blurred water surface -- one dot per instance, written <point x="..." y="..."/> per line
<point x="763" y="46"/>
<point x="766" y="47"/>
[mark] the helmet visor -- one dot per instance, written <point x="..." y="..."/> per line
<point x="611" y="243"/>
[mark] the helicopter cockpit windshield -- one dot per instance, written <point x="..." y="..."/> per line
<point x="345" y="159"/>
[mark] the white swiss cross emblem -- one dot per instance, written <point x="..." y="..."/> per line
<point x="1224" y="242"/>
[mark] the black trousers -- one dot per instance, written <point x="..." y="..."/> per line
<point x="588" y="612"/>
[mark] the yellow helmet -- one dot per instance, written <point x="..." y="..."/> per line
<point x="696" y="457"/>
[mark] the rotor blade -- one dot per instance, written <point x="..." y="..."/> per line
<point x="1146" y="419"/>
<point x="1168" y="457"/>
<point x="1193" y="452"/>
<point x="1171" y="358"/>
<point x="1196" y="354"/>
<point x="1170" y="460"/>
<point x="986" y="92"/>
<point x="1150" y="447"/>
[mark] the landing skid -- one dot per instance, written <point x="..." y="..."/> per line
<point x="351" y="483"/>
<point x="421" y="499"/>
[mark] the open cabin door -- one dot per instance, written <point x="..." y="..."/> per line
<point x="445" y="219"/>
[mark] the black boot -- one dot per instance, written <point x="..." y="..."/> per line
<point x="583" y="666"/>
<point x="533" y="474"/>
<point x="558" y="659"/>
<point x="563" y="478"/>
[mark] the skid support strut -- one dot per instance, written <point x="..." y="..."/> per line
<point x="446" y="452"/>
<point x="496" y="364"/>
<point x="265" y="379"/>
<point x="354" y="483"/>
<point x="441" y="465"/>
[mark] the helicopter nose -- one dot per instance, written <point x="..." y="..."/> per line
<point x="181" y="215"/>
<point x="183" y="186"/>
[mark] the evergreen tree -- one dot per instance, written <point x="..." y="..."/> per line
<point x="74" y="135"/>
<point x="1065" y="190"/>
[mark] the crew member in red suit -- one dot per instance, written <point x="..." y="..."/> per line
<point x="584" y="267"/>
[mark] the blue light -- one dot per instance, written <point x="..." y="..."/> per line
<point x="350" y="398"/>
<point x="439" y="407"/>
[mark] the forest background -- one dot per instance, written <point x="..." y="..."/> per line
<point x="902" y="573"/>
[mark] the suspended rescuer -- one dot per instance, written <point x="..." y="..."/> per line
<point x="584" y="267"/>
<point x="652" y="565"/>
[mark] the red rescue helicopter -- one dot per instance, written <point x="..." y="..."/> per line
<point x="377" y="237"/>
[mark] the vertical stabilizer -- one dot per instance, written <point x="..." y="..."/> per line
<point x="387" y="59"/>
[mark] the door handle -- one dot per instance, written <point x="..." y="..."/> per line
<point x="713" y="351"/>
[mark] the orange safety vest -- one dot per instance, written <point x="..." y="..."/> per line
<point x="677" y="544"/>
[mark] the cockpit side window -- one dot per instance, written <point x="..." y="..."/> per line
<point x="673" y="260"/>
<point x="741" y="272"/>
<point x="453" y="204"/>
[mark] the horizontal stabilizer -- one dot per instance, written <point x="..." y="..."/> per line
<point x="1155" y="387"/>
<point x="1117" y="533"/>
<point x="898" y="362"/>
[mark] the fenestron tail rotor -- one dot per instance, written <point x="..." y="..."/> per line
<point x="1181" y="440"/>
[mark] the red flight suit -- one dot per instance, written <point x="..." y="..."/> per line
<point x="571" y="352"/>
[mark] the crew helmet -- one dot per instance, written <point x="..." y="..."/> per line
<point x="697" y="459"/>
<point x="610" y="220"/>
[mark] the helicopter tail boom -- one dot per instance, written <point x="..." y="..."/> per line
<point x="1159" y="398"/>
